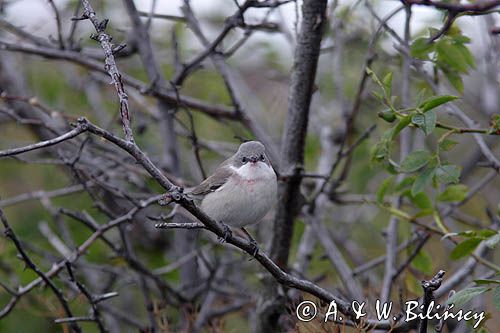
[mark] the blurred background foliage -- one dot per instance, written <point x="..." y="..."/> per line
<point x="263" y="65"/>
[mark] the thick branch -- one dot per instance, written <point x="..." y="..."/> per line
<point x="292" y="153"/>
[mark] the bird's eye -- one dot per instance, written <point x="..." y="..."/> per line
<point x="244" y="160"/>
<point x="262" y="158"/>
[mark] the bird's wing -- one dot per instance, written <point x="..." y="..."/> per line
<point x="212" y="183"/>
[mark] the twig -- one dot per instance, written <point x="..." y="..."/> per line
<point x="429" y="288"/>
<point x="216" y="111"/>
<point x="405" y="146"/>
<point x="58" y="23"/>
<point x="110" y="65"/>
<point x="47" y="143"/>
<point x="72" y="320"/>
<point x="476" y="7"/>
<point x="31" y="265"/>
<point x="163" y="16"/>
<point x="173" y="225"/>
<point x="148" y="58"/>
<point x="96" y="313"/>
<point x="466" y="130"/>
<point x="450" y="18"/>
<point x="380" y="260"/>
<point x="423" y="239"/>
<point x="43" y="194"/>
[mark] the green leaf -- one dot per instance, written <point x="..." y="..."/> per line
<point x="430" y="122"/>
<point x="422" y="201"/>
<point x="387" y="81"/>
<point x="415" y="161"/>
<point x="487" y="281"/>
<point x="380" y="151"/>
<point x="418" y="120"/>
<point x="424" y="212"/>
<point x="422" y="262"/>
<point x="406" y="182"/>
<point x="495" y="123"/>
<point x="483" y="234"/>
<point x="421" y="48"/>
<point x="453" y="193"/>
<point x="496" y="298"/>
<point x="388" y="115"/>
<point x="382" y="190"/>
<point x="374" y="77"/>
<point x="426" y="121"/>
<point x="461" y="39"/>
<point x="447" y="145"/>
<point x="455" y="79"/>
<point x="435" y="101"/>
<point x="465" y="52"/>
<point x="465" y="248"/>
<point x="449" y="54"/>
<point x="422" y="180"/>
<point x="405" y="121"/>
<point x="465" y="295"/>
<point x="447" y="174"/>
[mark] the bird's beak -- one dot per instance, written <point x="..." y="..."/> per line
<point x="254" y="159"/>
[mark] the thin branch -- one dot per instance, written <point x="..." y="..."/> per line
<point x="174" y="18"/>
<point x="110" y="65"/>
<point x="476" y="7"/>
<point x="96" y="313"/>
<point x="173" y="225"/>
<point x="216" y="111"/>
<point x="47" y="143"/>
<point x="31" y="265"/>
<point x="60" y="38"/>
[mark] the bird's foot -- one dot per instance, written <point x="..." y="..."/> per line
<point x="255" y="247"/>
<point x="227" y="233"/>
<point x="253" y="243"/>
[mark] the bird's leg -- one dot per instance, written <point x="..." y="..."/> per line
<point x="253" y="242"/>
<point x="226" y="234"/>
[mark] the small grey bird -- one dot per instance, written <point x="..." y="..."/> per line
<point x="241" y="190"/>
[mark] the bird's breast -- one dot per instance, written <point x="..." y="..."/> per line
<point x="245" y="198"/>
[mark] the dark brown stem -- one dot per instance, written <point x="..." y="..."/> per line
<point x="429" y="288"/>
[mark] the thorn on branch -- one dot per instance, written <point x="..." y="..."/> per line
<point x="80" y="18"/>
<point x="118" y="48"/>
<point x="102" y="25"/>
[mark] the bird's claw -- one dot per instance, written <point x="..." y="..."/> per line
<point x="227" y="233"/>
<point x="255" y="247"/>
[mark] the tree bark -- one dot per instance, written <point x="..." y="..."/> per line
<point x="292" y="154"/>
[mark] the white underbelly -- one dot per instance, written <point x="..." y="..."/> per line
<point x="239" y="203"/>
